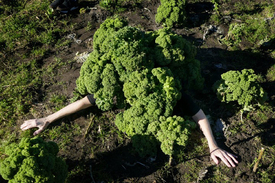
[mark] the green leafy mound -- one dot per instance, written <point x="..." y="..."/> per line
<point x="170" y="131"/>
<point x="118" y="5"/>
<point x="139" y="71"/>
<point x="242" y="87"/>
<point x="151" y="95"/>
<point x="33" y="160"/>
<point x="171" y="13"/>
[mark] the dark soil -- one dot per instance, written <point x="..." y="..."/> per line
<point x="106" y="155"/>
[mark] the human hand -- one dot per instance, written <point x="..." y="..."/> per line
<point x="40" y="123"/>
<point x="220" y="154"/>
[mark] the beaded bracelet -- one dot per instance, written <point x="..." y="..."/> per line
<point x="214" y="150"/>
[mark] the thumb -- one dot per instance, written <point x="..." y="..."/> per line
<point x="38" y="131"/>
<point x="215" y="159"/>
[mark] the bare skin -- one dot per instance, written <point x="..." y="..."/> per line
<point x="42" y="123"/>
<point x="216" y="153"/>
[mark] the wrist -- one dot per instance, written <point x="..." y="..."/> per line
<point x="214" y="150"/>
<point x="212" y="146"/>
<point x="48" y="119"/>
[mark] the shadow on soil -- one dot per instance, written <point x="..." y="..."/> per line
<point x="267" y="135"/>
<point x="198" y="13"/>
<point x="119" y="164"/>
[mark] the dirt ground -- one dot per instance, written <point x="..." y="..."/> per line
<point x="113" y="159"/>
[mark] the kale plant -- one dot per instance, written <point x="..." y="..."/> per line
<point x="241" y="87"/>
<point x="141" y="72"/>
<point x="33" y="160"/>
<point x="171" y="13"/>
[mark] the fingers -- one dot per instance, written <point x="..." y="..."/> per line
<point x="222" y="157"/>
<point x="40" y="123"/>
<point x="37" y="131"/>
<point x="216" y="160"/>
<point x="233" y="157"/>
<point x="228" y="161"/>
<point x="28" y="124"/>
<point x="226" y="157"/>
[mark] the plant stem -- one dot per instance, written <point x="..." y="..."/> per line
<point x="170" y="160"/>
<point x="87" y="130"/>
<point x="258" y="160"/>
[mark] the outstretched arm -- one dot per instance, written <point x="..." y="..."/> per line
<point x="216" y="153"/>
<point x="42" y="123"/>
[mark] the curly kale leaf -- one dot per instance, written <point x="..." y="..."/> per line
<point x="130" y="51"/>
<point x="110" y="87"/>
<point x="173" y="51"/>
<point x="136" y="119"/>
<point x="169" y="88"/>
<point x="173" y="130"/>
<point x="150" y="95"/>
<point x="102" y="36"/>
<point x="138" y="85"/>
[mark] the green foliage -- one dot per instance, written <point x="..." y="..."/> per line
<point x="271" y="73"/>
<point x="17" y="88"/>
<point x="234" y="36"/>
<point x="24" y="40"/>
<point x="82" y="11"/>
<point x="20" y="28"/>
<point x="33" y="160"/>
<point x="216" y="6"/>
<point x="138" y="71"/>
<point x="145" y="145"/>
<point x="58" y="101"/>
<point x="179" y="55"/>
<point x="171" y="131"/>
<point x="266" y="177"/>
<point x="171" y="13"/>
<point x="13" y="6"/>
<point x="117" y="5"/>
<point x="242" y="87"/>
<point x="89" y="26"/>
<point x="256" y="29"/>
<point x="107" y="4"/>
<point x="151" y="98"/>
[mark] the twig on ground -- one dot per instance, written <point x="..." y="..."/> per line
<point x="258" y="160"/>
<point x="147" y="9"/>
<point x="87" y="130"/>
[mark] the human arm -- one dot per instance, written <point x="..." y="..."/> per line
<point x="42" y="123"/>
<point x="216" y="153"/>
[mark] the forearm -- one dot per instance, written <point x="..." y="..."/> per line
<point x="216" y="153"/>
<point x="69" y="109"/>
<point x="201" y="119"/>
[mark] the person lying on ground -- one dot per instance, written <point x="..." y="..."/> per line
<point x="64" y="5"/>
<point x="186" y="104"/>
